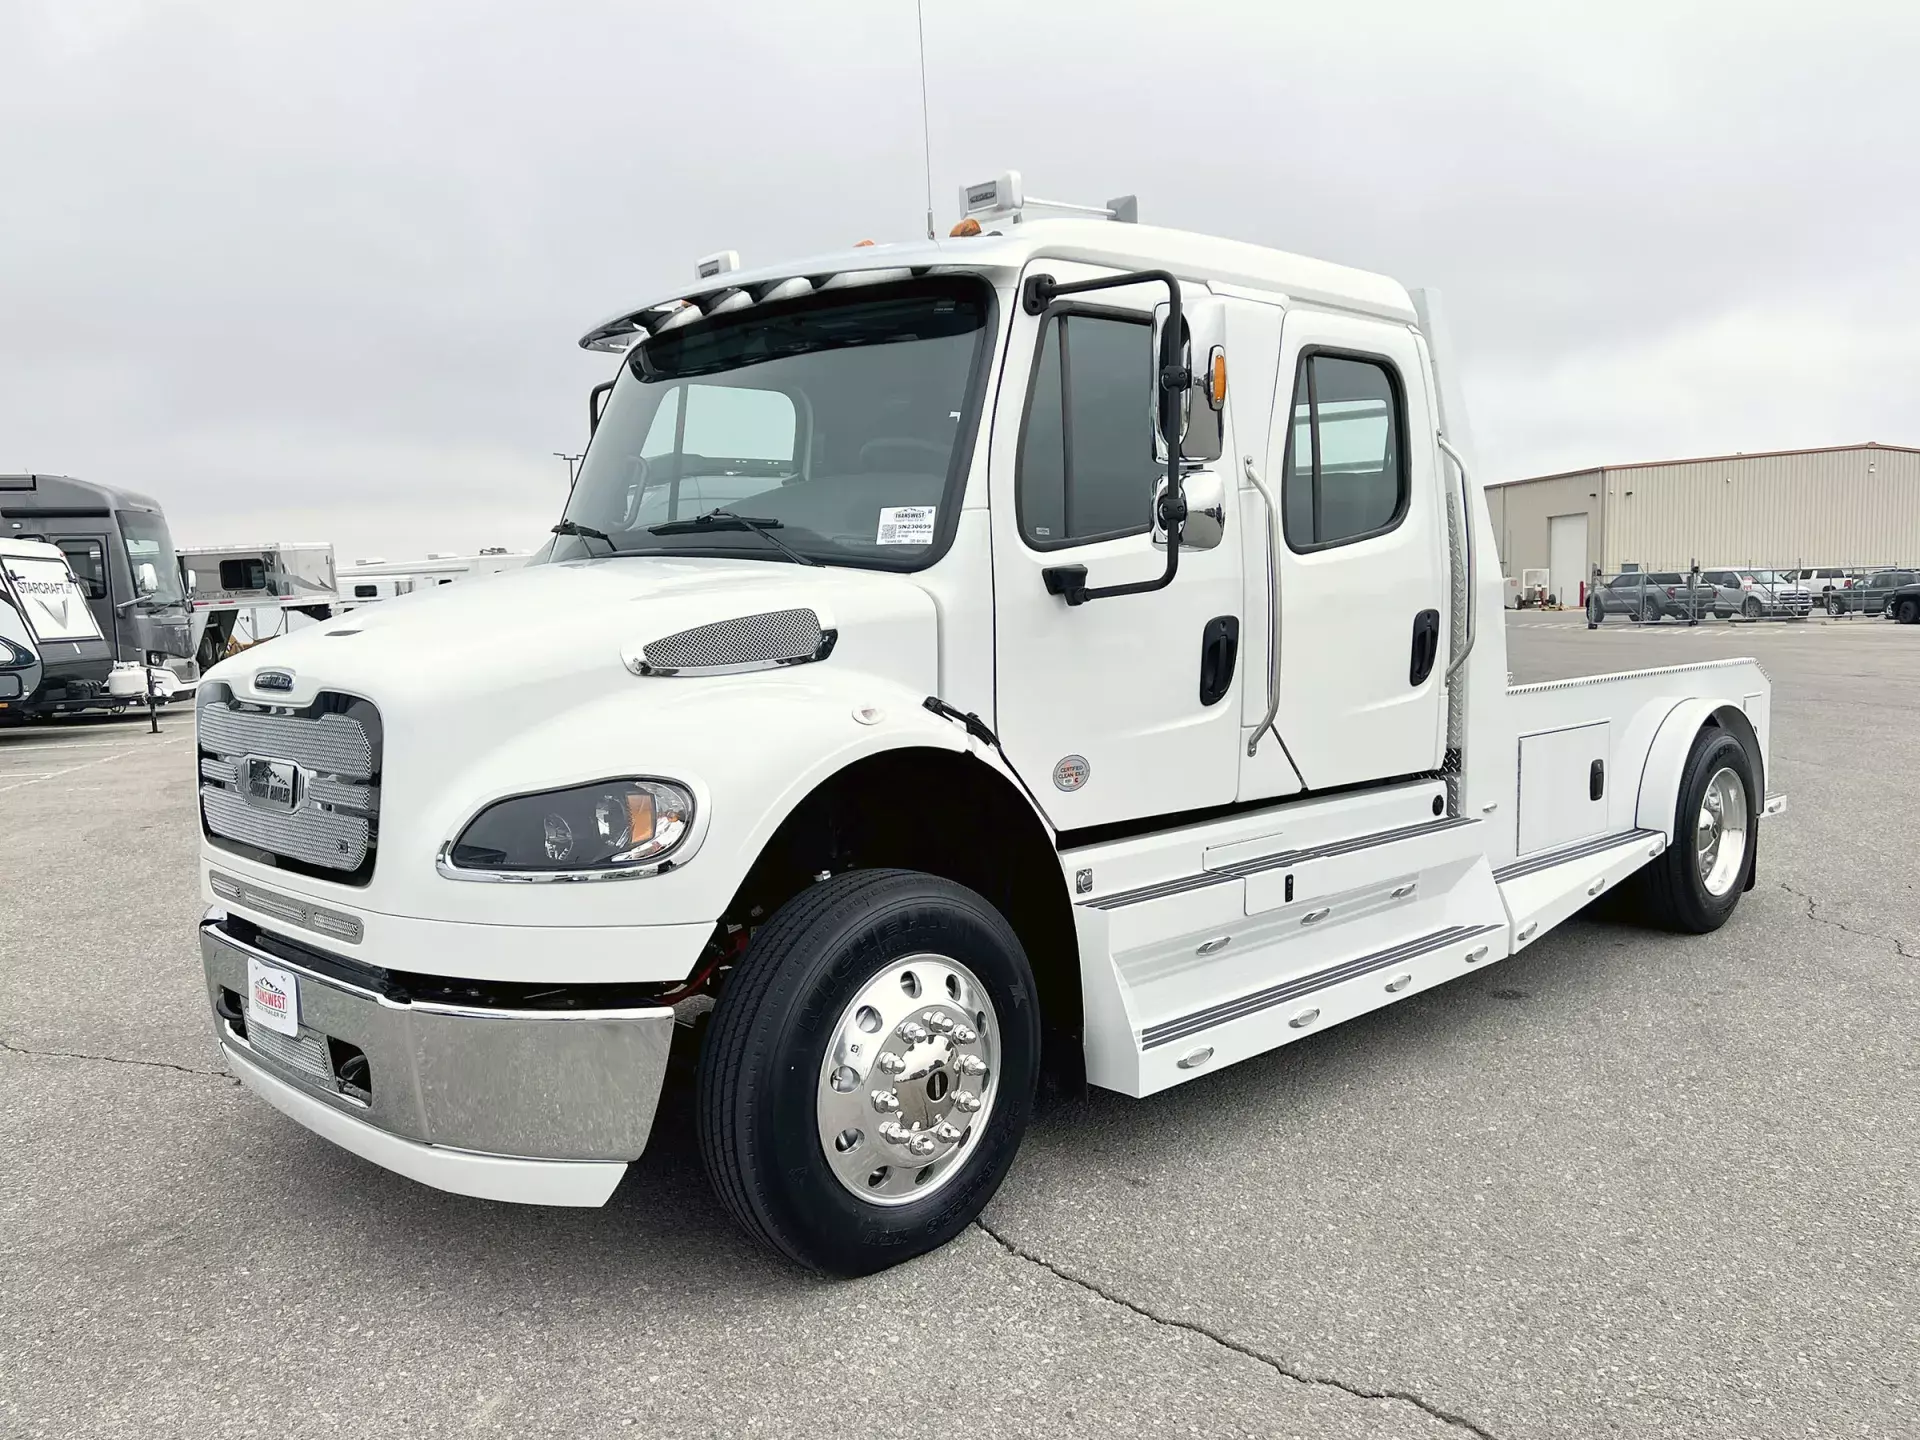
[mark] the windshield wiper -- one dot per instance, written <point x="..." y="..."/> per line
<point x="586" y="532"/>
<point x="727" y="520"/>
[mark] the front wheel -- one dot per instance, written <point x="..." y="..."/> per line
<point x="1835" y="606"/>
<point x="870" y="1070"/>
<point x="1695" y="883"/>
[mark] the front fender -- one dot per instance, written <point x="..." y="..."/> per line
<point x="751" y="747"/>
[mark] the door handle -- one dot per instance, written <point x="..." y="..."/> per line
<point x="1219" y="645"/>
<point x="1426" y="646"/>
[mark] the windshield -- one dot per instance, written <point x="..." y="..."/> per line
<point x="148" y="543"/>
<point x="846" y="417"/>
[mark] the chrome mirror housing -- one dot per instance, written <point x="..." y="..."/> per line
<point x="1206" y="522"/>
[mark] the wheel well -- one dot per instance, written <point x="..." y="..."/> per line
<point x="950" y="815"/>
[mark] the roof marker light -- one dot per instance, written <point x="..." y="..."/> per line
<point x="718" y="263"/>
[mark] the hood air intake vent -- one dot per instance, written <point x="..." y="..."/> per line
<point x="732" y="647"/>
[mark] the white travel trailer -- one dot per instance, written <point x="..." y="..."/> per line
<point x="366" y="581"/>
<point x="1068" y="646"/>
<point x="53" y="657"/>
<point x="243" y="594"/>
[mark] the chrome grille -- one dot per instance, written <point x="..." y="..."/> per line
<point x="323" y="809"/>
<point x="751" y="640"/>
<point x="305" y="1052"/>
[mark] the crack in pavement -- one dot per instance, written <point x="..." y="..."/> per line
<point x="1271" y="1362"/>
<point x="13" y="1049"/>
<point x="1899" y="947"/>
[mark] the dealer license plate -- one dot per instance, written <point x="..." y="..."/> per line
<point x="273" y="998"/>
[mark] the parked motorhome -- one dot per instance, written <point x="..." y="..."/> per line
<point x="118" y="545"/>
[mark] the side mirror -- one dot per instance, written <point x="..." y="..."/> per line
<point x="146" y="579"/>
<point x="1203" y="354"/>
<point x="1206" y="522"/>
<point x="192" y="577"/>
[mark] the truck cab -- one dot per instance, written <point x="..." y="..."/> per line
<point x="1068" y="649"/>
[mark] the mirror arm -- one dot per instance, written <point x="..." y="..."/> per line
<point x="1040" y="291"/>
<point x="593" y="406"/>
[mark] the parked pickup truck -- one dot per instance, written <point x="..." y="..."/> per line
<point x="1105" y="680"/>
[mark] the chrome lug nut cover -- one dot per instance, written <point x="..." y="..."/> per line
<point x="933" y="1087"/>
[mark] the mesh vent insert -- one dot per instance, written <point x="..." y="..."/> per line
<point x="773" y="638"/>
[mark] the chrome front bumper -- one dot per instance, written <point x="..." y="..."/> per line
<point x="540" y="1106"/>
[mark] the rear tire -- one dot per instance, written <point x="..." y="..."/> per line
<point x="1651" y="613"/>
<point x="767" y="1088"/>
<point x="1751" y="609"/>
<point x="1908" y="613"/>
<point x="1692" y="888"/>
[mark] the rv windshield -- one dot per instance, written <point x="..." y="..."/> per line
<point x="148" y="543"/>
<point x="843" y="421"/>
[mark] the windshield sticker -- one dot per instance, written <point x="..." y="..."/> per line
<point x="906" y="525"/>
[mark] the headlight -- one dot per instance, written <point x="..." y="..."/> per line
<point x="612" y="826"/>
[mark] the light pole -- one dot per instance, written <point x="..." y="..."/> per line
<point x="572" y="461"/>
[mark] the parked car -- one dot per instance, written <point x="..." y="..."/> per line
<point x="1820" y="580"/>
<point x="1649" y="596"/>
<point x="1755" y="593"/>
<point x="1904" y="605"/>
<point x="1870" y="594"/>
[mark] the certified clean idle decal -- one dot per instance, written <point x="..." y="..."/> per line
<point x="1071" y="772"/>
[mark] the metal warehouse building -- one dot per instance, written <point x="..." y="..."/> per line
<point x="1850" y="505"/>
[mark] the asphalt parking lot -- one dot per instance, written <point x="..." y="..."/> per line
<point x="1623" y="1185"/>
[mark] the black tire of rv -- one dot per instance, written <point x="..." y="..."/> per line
<point x="764" y="1050"/>
<point x="1669" y="893"/>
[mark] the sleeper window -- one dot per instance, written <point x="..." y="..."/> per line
<point x="1346" y="475"/>
<point x="88" y="559"/>
<point x="1086" y="467"/>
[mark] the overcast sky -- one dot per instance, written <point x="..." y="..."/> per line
<point x="318" y="271"/>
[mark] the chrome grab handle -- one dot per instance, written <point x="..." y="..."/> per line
<point x="1466" y="546"/>
<point x="1273" y="603"/>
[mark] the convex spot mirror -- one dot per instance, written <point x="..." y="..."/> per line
<point x="1203" y="353"/>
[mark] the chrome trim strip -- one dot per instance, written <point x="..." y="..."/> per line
<point x="443" y="862"/>
<point x="1169" y="1031"/>
<point x="1466" y="550"/>
<point x="1535" y="863"/>
<point x="1245" y="868"/>
<point x="285" y="907"/>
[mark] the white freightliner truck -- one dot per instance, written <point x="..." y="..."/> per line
<point x="896" y="723"/>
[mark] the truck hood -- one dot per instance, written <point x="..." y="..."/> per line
<point x="554" y="634"/>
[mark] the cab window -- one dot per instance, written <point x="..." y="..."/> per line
<point x="88" y="559"/>
<point x="1346" y="472"/>
<point x="1086" y="469"/>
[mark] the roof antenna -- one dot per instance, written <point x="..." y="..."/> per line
<point x="926" y="137"/>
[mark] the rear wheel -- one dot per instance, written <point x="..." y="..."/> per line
<point x="1908" y="612"/>
<point x="870" y="1070"/>
<point x="1650" y="613"/>
<point x="1695" y="883"/>
<point x="1751" y="608"/>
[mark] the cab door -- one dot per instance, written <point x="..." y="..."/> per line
<point x="1128" y="707"/>
<point x="1363" y="571"/>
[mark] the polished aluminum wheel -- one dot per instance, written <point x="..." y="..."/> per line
<point x="1720" y="835"/>
<point x="909" y="1076"/>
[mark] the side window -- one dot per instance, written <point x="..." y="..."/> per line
<point x="1346" y="473"/>
<point x="366" y="592"/>
<point x="243" y="575"/>
<point x="1086" y="469"/>
<point x="88" y="559"/>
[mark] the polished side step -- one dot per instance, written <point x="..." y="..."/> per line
<point x="1542" y="890"/>
<point x="1306" y="985"/>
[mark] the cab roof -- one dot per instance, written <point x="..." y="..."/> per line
<point x="1002" y="255"/>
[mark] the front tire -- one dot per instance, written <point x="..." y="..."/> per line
<point x="1695" y="883"/>
<point x="841" y="1134"/>
<point x="1835" y="607"/>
